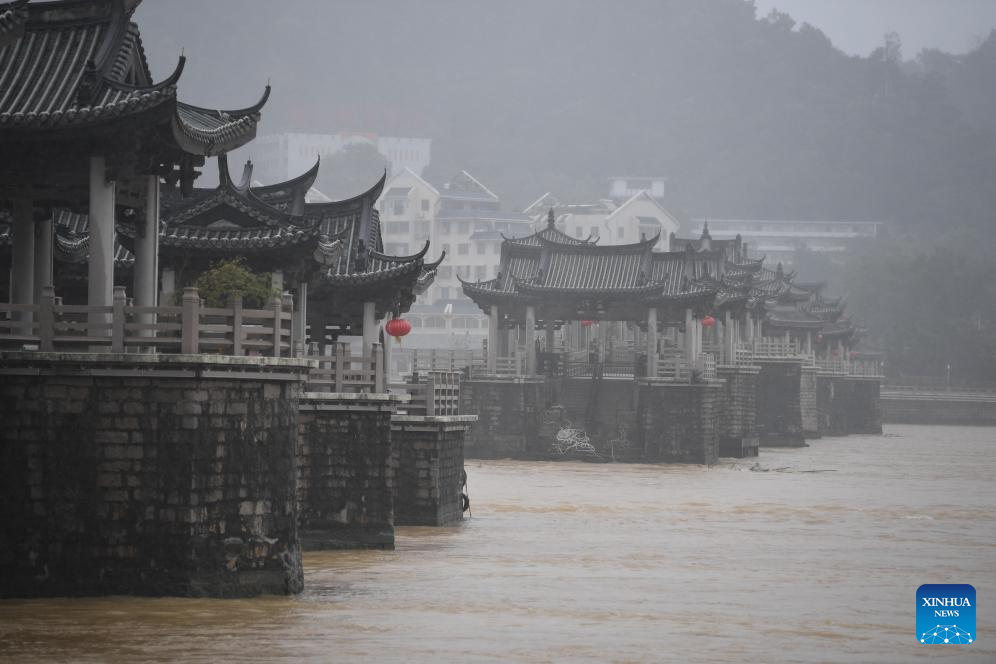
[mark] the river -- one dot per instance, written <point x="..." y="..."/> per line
<point x="574" y="561"/>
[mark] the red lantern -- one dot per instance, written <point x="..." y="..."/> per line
<point x="397" y="328"/>
<point x="819" y="338"/>
<point x="587" y="323"/>
<point x="708" y="321"/>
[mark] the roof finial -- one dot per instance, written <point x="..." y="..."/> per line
<point x="705" y="231"/>
<point x="550" y="219"/>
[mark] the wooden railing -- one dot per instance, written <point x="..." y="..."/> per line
<point x="832" y="365"/>
<point x="456" y="359"/>
<point x="123" y="327"/>
<point x="672" y="365"/>
<point x="768" y="348"/>
<point x="514" y="365"/>
<point x="433" y="393"/>
<point x="870" y="368"/>
<point x="339" y="371"/>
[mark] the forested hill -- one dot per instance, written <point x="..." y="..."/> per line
<point x="748" y="116"/>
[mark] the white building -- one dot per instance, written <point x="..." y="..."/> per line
<point x="779" y="240"/>
<point x="464" y="219"/>
<point x="641" y="216"/>
<point x="280" y="157"/>
<point x="622" y="187"/>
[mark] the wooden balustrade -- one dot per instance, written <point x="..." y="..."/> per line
<point x="340" y="371"/>
<point x="188" y="328"/>
<point x="454" y="359"/>
<point x="433" y="393"/>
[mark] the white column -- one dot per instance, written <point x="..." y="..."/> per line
<point x="44" y="232"/>
<point x="147" y="255"/>
<point x="301" y="312"/>
<point x="749" y="327"/>
<point x="530" y="340"/>
<point x="167" y="286"/>
<point x="689" y="338"/>
<point x="100" y="287"/>
<point x="729" y="344"/>
<point x="809" y="342"/>
<point x="549" y="334"/>
<point x="388" y="345"/>
<point x="493" y="340"/>
<point x="147" y="248"/>
<point x="369" y="327"/>
<point x="23" y="273"/>
<point x="652" y="342"/>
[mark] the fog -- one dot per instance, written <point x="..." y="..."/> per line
<point x="747" y="114"/>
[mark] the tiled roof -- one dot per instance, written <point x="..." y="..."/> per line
<point x="13" y="16"/>
<point x="597" y="269"/>
<point x="290" y="195"/>
<point x="791" y="317"/>
<point x="549" y="234"/>
<point x="81" y="64"/>
<point x="72" y="240"/>
<point x="235" y="240"/>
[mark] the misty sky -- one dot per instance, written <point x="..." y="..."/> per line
<point x="857" y="26"/>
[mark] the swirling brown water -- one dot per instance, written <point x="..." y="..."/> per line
<point x="569" y="561"/>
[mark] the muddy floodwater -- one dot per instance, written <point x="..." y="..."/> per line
<point x="574" y="561"/>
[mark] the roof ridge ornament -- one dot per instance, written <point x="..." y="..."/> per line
<point x="89" y="85"/>
<point x="551" y="220"/>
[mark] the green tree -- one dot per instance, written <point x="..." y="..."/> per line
<point x="219" y="285"/>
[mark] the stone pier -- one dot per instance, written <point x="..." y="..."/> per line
<point x="779" y="403"/>
<point x="678" y="422"/>
<point x="509" y="414"/>
<point x="738" y="422"/>
<point x="429" y="452"/>
<point x="833" y="398"/>
<point x="808" y="408"/>
<point x="148" y="475"/>
<point x="346" y="473"/>
<point x="865" y="409"/>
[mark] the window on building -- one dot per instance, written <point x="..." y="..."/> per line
<point x="398" y="207"/>
<point x="463" y="249"/>
<point x="464" y="227"/>
<point x="397" y="227"/>
<point x="619" y="233"/>
<point x="444" y="228"/>
<point x="425" y="205"/>
<point x="481" y="248"/>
